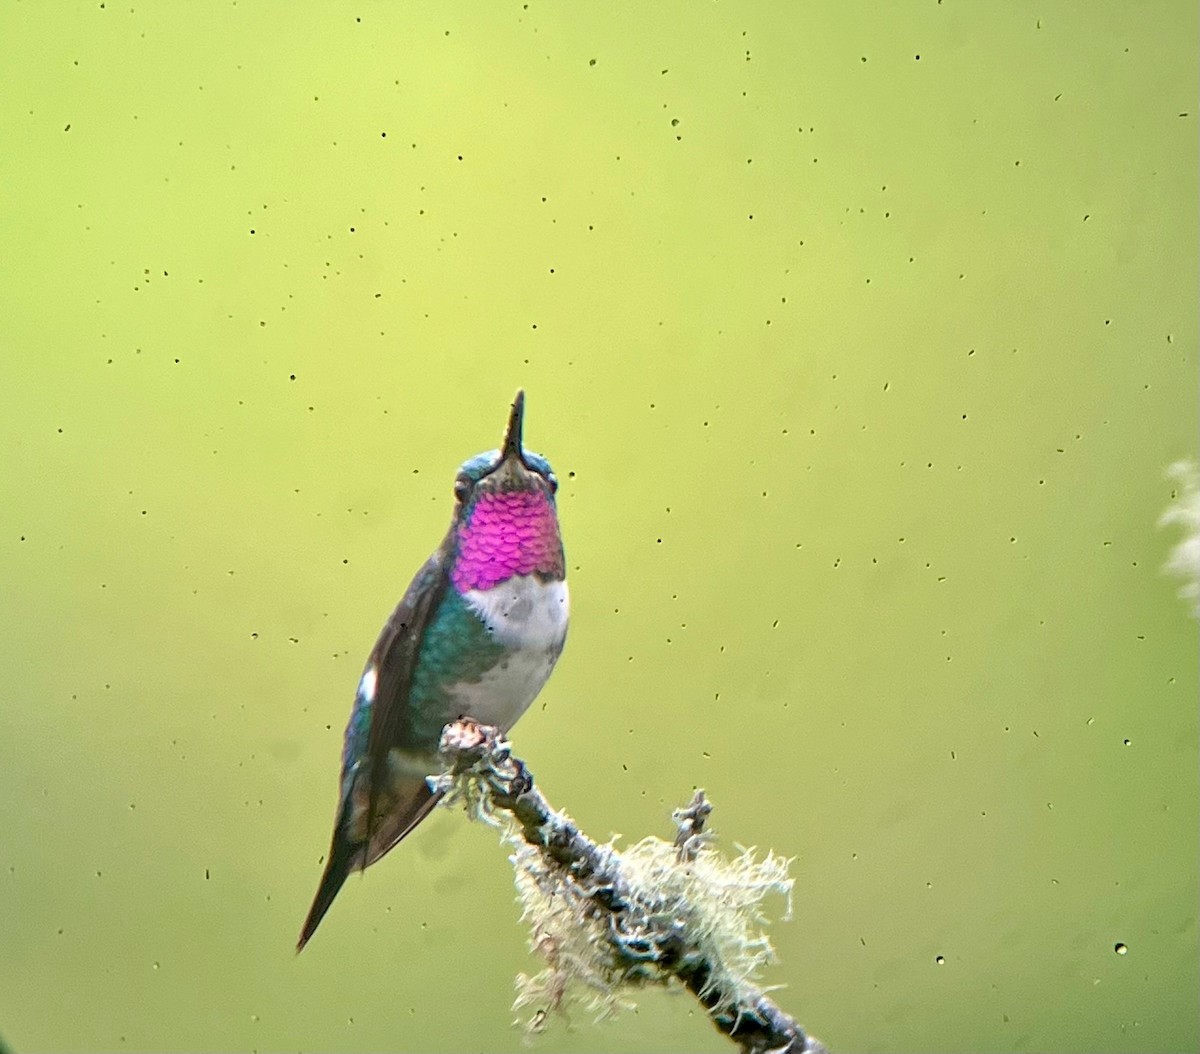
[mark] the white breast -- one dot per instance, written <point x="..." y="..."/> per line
<point x="528" y="617"/>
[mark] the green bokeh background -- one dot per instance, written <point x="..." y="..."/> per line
<point x="860" y="335"/>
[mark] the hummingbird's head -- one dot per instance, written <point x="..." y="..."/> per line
<point x="505" y="517"/>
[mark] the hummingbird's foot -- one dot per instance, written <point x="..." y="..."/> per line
<point x="481" y="772"/>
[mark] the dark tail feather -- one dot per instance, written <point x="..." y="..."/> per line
<point x="337" y="869"/>
<point x="411" y="801"/>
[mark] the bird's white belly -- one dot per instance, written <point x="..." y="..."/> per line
<point x="528" y="618"/>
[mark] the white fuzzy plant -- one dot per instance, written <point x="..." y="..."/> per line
<point x="1184" y="511"/>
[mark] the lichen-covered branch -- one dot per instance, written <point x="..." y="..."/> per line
<point x="608" y="921"/>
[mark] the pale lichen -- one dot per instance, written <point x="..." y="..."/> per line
<point x="708" y="906"/>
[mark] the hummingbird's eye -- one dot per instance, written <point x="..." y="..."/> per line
<point x="462" y="487"/>
<point x="552" y="479"/>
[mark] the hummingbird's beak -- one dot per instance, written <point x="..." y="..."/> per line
<point x="512" y="438"/>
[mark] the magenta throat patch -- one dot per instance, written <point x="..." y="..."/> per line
<point x="509" y="533"/>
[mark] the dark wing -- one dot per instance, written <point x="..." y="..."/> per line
<point x="408" y="798"/>
<point x="394" y="658"/>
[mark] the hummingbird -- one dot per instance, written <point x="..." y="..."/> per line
<point x="476" y="635"/>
